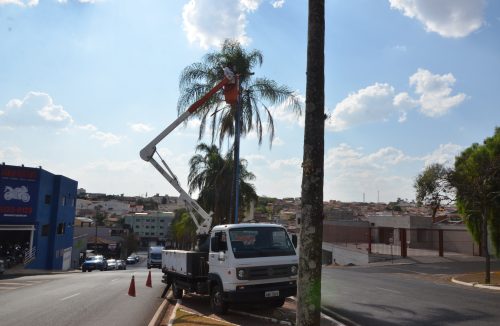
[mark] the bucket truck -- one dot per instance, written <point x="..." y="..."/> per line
<point x="233" y="263"/>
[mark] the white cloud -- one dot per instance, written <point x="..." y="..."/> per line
<point x="444" y="154"/>
<point x="287" y="163"/>
<point x="277" y="3"/>
<point x="448" y="18"/>
<point x="370" y="104"/>
<point x="106" y="138"/>
<point x="36" y="109"/>
<point x="283" y="112"/>
<point x="21" y="3"/>
<point x="11" y="154"/>
<point x="350" y="172"/>
<point x="140" y="127"/>
<point x="379" y="102"/>
<point x="208" y="22"/>
<point x="434" y="91"/>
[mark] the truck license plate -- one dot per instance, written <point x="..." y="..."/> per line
<point x="269" y="294"/>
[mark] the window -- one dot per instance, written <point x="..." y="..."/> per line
<point x="60" y="228"/>
<point x="161" y="221"/>
<point x="147" y="226"/>
<point x="152" y="226"/>
<point x="161" y="233"/>
<point x="147" y="233"/>
<point x="137" y="226"/>
<point x="45" y="230"/>
<point x="161" y="226"/>
<point x="63" y="201"/>
<point x="48" y="199"/>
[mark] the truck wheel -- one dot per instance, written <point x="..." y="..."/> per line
<point x="216" y="302"/>
<point x="176" y="291"/>
<point x="278" y="303"/>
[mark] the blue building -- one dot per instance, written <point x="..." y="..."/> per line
<point x="37" y="213"/>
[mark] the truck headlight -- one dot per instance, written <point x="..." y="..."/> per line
<point x="293" y="269"/>
<point x="241" y="274"/>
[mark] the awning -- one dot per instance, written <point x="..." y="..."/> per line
<point x="11" y="227"/>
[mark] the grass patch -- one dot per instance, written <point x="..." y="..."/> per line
<point x="479" y="278"/>
<point x="185" y="318"/>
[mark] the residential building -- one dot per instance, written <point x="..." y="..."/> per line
<point x="150" y="227"/>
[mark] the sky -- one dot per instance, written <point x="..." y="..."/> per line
<point x="86" y="84"/>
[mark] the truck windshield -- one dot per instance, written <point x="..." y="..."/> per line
<point x="260" y="242"/>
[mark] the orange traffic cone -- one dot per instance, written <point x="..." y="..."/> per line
<point x="131" y="289"/>
<point x="148" y="281"/>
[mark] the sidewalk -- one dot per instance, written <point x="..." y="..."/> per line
<point x="195" y="310"/>
<point x="21" y="271"/>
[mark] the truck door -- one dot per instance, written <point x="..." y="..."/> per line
<point x="218" y="258"/>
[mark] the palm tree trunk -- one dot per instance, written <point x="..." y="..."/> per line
<point x="311" y="230"/>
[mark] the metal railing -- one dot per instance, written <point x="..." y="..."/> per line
<point x="29" y="255"/>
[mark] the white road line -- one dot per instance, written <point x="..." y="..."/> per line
<point x="115" y="279"/>
<point x="9" y="287"/>
<point x="71" y="296"/>
<point x="384" y="289"/>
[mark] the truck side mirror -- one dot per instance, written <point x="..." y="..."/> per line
<point x="294" y="240"/>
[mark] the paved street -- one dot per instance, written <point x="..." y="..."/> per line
<point x="96" y="298"/>
<point x="416" y="294"/>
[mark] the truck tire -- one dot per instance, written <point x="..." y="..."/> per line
<point x="218" y="305"/>
<point x="176" y="291"/>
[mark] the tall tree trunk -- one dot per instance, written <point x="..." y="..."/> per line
<point x="311" y="230"/>
<point x="486" y="252"/>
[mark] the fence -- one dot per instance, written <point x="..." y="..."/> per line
<point x="401" y="241"/>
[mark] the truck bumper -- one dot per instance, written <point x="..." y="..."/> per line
<point x="257" y="293"/>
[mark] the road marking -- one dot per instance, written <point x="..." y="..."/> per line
<point x="409" y="271"/>
<point x="115" y="279"/>
<point x="71" y="296"/>
<point x="384" y="289"/>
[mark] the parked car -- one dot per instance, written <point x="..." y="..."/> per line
<point x="95" y="262"/>
<point x="112" y="264"/>
<point x="131" y="260"/>
<point x="120" y="264"/>
<point x="2" y="266"/>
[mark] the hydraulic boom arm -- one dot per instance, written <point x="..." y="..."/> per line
<point x="149" y="150"/>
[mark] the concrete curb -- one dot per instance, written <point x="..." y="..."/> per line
<point x="475" y="284"/>
<point x="269" y="319"/>
<point x="172" y="316"/>
<point x="158" y="316"/>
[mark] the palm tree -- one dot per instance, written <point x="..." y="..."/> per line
<point x="211" y="174"/>
<point x="257" y="94"/>
<point x="311" y="229"/>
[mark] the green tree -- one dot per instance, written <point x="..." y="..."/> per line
<point x="211" y="175"/>
<point x="183" y="230"/>
<point x="311" y="230"/>
<point x="258" y="95"/>
<point x="477" y="182"/>
<point x="433" y="188"/>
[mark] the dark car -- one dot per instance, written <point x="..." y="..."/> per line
<point x="95" y="262"/>
<point x="131" y="260"/>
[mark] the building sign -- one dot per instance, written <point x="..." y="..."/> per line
<point x="18" y="191"/>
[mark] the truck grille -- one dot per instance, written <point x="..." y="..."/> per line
<point x="266" y="272"/>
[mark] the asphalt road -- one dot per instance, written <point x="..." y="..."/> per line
<point x="95" y="298"/>
<point x="417" y="294"/>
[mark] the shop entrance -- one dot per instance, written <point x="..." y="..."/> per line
<point x="15" y="243"/>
